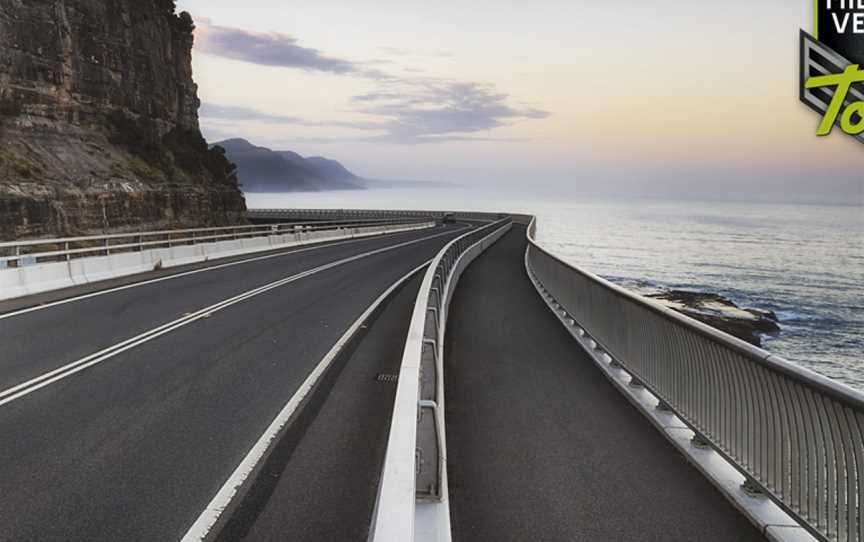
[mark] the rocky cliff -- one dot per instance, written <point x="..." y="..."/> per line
<point x="99" y="123"/>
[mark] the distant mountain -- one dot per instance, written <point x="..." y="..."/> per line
<point x="332" y="169"/>
<point x="263" y="170"/>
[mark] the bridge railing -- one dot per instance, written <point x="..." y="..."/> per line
<point x="415" y="464"/>
<point x="18" y="253"/>
<point x="793" y="434"/>
<point x="276" y="214"/>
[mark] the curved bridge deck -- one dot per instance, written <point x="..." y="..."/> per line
<point x="540" y="445"/>
<point x="126" y="409"/>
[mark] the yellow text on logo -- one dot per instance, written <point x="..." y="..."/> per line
<point x="843" y="82"/>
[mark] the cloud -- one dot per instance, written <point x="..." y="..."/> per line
<point x="396" y="51"/>
<point x="235" y="113"/>
<point x="407" y="112"/>
<point x="425" y="110"/>
<point x="403" y="108"/>
<point x="265" y="49"/>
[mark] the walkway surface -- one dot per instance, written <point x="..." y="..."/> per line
<point x="541" y="447"/>
<point x="325" y="485"/>
<point x="135" y="446"/>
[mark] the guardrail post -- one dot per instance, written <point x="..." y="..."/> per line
<point x="752" y="488"/>
<point x="107" y="247"/>
<point x="699" y="441"/>
<point x="66" y="248"/>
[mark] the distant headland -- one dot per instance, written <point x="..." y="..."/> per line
<point x="262" y="170"/>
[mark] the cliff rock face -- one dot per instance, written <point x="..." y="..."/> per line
<point x="99" y="121"/>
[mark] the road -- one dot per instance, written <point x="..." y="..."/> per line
<point x="124" y="411"/>
<point x="540" y="445"/>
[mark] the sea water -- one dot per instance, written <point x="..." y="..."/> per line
<point x="804" y="262"/>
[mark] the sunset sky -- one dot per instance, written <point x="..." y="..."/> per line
<point x="633" y="97"/>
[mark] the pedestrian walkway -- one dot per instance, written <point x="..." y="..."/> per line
<point x="541" y="447"/>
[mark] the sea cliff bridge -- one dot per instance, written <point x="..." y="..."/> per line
<point x="393" y="376"/>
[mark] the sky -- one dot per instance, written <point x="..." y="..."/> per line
<point x="562" y="96"/>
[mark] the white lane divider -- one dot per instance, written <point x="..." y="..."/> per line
<point x="254" y="458"/>
<point x="46" y="379"/>
<point x="288" y="252"/>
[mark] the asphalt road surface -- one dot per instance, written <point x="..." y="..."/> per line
<point x="540" y="445"/>
<point x="123" y="412"/>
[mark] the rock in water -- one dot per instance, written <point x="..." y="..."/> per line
<point x="99" y="121"/>
<point x="721" y="313"/>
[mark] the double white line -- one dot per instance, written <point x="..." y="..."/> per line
<point x="291" y="252"/>
<point x="32" y="385"/>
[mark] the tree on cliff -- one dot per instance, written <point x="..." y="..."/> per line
<point x="184" y="19"/>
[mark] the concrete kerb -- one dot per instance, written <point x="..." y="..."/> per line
<point x="399" y="516"/>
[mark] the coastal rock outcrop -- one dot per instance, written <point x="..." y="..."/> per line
<point x="99" y="121"/>
<point x="717" y="311"/>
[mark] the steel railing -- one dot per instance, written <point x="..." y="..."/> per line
<point x="415" y="464"/>
<point x="275" y="214"/>
<point x="16" y="253"/>
<point x="795" y="436"/>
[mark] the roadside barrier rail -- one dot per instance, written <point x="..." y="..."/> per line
<point x="305" y="214"/>
<point x="796" y="436"/>
<point x="31" y="252"/>
<point x="415" y="464"/>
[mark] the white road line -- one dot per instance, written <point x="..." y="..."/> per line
<point x="26" y="388"/>
<point x="185" y="274"/>
<point x="223" y="498"/>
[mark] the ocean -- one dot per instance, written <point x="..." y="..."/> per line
<point x="804" y="262"/>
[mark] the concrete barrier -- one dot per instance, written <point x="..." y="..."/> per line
<point x="413" y="502"/>
<point x="44" y="277"/>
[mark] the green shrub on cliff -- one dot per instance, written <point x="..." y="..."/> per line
<point x="180" y="155"/>
<point x="9" y="108"/>
<point x="192" y="154"/>
<point x="185" y="22"/>
<point x="183" y="19"/>
<point x="13" y="166"/>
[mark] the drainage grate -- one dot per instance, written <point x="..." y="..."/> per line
<point x="384" y="377"/>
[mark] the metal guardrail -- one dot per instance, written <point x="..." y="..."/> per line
<point x="14" y="253"/>
<point x="415" y="464"/>
<point x="796" y="436"/>
<point x="275" y="214"/>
